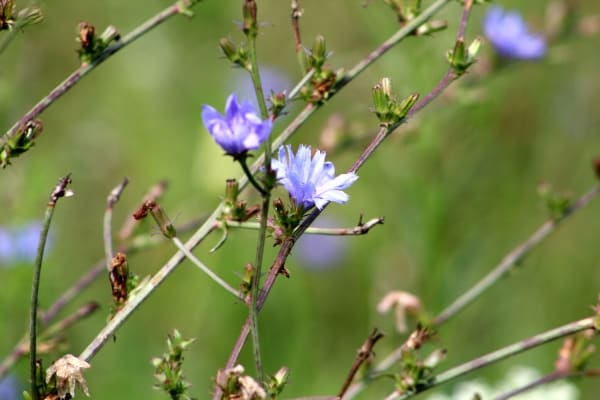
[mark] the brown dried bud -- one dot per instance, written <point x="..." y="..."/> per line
<point x="118" y="274"/>
<point x="596" y="165"/>
<point x="86" y="35"/>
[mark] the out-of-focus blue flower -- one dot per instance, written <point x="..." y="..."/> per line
<point x="10" y="388"/>
<point x="26" y="241"/>
<point x="273" y="81"/>
<point x="19" y="244"/>
<point x="321" y="252"/>
<point x="310" y="180"/>
<point x="510" y="36"/>
<point x="239" y="130"/>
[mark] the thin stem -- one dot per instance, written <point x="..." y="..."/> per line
<point x="513" y="258"/>
<point x="296" y="89"/>
<point x="153" y="194"/>
<point x="364" y="353"/>
<point x="253" y="69"/>
<point x="250" y="176"/>
<point x="544" y="380"/>
<point x="510" y="260"/>
<point x="112" y="199"/>
<point x="138" y="243"/>
<point x="451" y="74"/>
<point x="58" y="192"/>
<point x="401" y="34"/>
<point x="83" y="70"/>
<point x="34" y="300"/>
<point x="511" y="350"/>
<point x="204" y="268"/>
<point x="295" y="16"/>
<point x="360" y="229"/>
<point x="260" y="248"/>
<point x="144" y="291"/>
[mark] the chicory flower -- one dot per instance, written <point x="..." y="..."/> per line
<point x="240" y="129"/>
<point x="311" y="181"/>
<point x="510" y="36"/>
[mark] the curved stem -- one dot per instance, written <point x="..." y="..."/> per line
<point x="250" y="176"/>
<point x="58" y="192"/>
<point x="37" y="271"/>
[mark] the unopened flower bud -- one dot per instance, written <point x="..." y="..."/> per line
<point x="110" y="34"/>
<point x="232" y="189"/>
<point x="250" y="26"/>
<point x="229" y="49"/>
<point x="319" y="52"/>
<point x="7" y="8"/>
<point x="29" y="16"/>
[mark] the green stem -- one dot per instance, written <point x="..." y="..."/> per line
<point x="58" y="192"/>
<point x="204" y="268"/>
<point x="254" y="71"/>
<point x="83" y="70"/>
<point x="37" y="271"/>
<point x="260" y="247"/>
<point x="511" y="350"/>
<point x="360" y="229"/>
<point x="250" y="176"/>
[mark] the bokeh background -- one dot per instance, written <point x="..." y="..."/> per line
<point x="457" y="187"/>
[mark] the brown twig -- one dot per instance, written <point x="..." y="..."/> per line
<point x="295" y="16"/>
<point x="153" y="194"/>
<point x="364" y="353"/>
<point x="112" y="199"/>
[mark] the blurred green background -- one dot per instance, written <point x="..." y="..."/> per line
<point x="457" y="189"/>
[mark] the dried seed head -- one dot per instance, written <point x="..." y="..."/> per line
<point x="68" y="372"/>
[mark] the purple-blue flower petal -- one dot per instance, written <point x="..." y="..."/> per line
<point x="510" y="36"/>
<point x="239" y="130"/>
<point x="310" y="179"/>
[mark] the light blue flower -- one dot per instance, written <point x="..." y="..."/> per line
<point x="18" y="244"/>
<point x="510" y="36"/>
<point x="239" y="130"/>
<point x="10" y="388"/>
<point x="321" y="252"/>
<point x="310" y="180"/>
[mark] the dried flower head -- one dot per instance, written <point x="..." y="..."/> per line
<point x="238" y="386"/>
<point x="403" y="302"/>
<point x="68" y="372"/>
